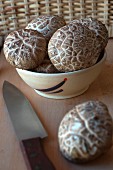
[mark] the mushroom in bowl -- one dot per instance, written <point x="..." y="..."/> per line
<point x="62" y="85"/>
<point x="64" y="65"/>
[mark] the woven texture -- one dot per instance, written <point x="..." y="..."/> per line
<point x="16" y="14"/>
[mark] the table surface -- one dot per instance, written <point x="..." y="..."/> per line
<point x="51" y="112"/>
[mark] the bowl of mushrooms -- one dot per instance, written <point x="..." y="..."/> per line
<point x="56" y="59"/>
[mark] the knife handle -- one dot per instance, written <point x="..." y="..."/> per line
<point x="35" y="155"/>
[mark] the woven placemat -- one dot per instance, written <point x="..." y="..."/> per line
<point x="16" y="14"/>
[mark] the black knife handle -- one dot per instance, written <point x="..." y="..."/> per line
<point x="35" y="155"/>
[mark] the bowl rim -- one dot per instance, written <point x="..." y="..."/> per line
<point x="66" y="73"/>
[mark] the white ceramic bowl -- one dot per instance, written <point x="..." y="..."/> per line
<point x="62" y="85"/>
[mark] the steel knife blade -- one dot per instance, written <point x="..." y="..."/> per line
<point x="27" y="126"/>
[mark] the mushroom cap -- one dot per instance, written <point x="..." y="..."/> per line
<point x="85" y="132"/>
<point x="73" y="47"/>
<point x="98" y="27"/>
<point x="46" y="67"/>
<point x="47" y="24"/>
<point x="25" y="48"/>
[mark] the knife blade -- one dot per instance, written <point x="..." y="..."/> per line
<point x="27" y="126"/>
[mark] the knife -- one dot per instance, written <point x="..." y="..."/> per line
<point x="28" y="128"/>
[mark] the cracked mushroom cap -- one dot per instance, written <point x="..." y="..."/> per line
<point x="73" y="47"/>
<point x="98" y="27"/>
<point x="46" y="67"/>
<point x="85" y="132"/>
<point x="47" y="25"/>
<point x="25" y="49"/>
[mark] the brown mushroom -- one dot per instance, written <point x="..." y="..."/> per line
<point x="98" y="27"/>
<point x="73" y="47"/>
<point x="85" y="132"/>
<point x="47" y="24"/>
<point x="46" y="67"/>
<point x="25" y="48"/>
